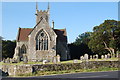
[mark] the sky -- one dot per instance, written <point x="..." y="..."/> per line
<point x="76" y="17"/>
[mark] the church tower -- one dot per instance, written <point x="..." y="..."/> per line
<point x="42" y="14"/>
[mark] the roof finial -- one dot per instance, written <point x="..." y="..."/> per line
<point x="48" y="7"/>
<point x="52" y="24"/>
<point x="36" y="6"/>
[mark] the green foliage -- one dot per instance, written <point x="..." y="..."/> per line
<point x="105" y="38"/>
<point x="83" y="38"/>
<point x="106" y="33"/>
<point x="8" y="48"/>
<point x="80" y="46"/>
<point x="0" y="48"/>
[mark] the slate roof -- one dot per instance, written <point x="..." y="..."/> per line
<point x="24" y="32"/>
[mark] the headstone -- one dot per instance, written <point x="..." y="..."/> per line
<point x="58" y="58"/>
<point x="96" y="56"/>
<point x="4" y="60"/>
<point x="8" y="60"/>
<point x="75" y="61"/>
<point x="14" y="60"/>
<point x="54" y="60"/>
<point x="117" y="55"/>
<point x="11" y="60"/>
<point x="86" y="57"/>
<point x="44" y="61"/>
<point x="102" y="56"/>
<point x="106" y="57"/>
<point x="81" y="58"/>
<point x="25" y="59"/>
<point x="17" y="59"/>
<point x="91" y="57"/>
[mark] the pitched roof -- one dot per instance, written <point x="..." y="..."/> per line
<point x="24" y="32"/>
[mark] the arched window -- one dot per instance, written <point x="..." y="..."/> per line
<point x="42" y="41"/>
<point x="23" y="49"/>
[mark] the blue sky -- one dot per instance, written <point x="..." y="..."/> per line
<point x="76" y="17"/>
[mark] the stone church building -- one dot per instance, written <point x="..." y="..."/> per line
<point x="42" y="42"/>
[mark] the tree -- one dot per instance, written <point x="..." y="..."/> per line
<point x="105" y="37"/>
<point x="83" y="38"/>
<point x="80" y="46"/>
<point x="0" y="48"/>
<point x="8" y="48"/>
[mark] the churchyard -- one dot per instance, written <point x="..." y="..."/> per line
<point x="56" y="59"/>
<point x="86" y="63"/>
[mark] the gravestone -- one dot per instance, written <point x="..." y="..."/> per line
<point x="14" y="60"/>
<point x="25" y="59"/>
<point x="96" y="56"/>
<point x="8" y="60"/>
<point x="117" y="55"/>
<point x="102" y="56"/>
<point x="90" y="56"/>
<point x="58" y="58"/>
<point x="106" y="56"/>
<point x="86" y="57"/>
<point x="44" y="61"/>
<point x="17" y="59"/>
<point x="75" y="61"/>
<point x="11" y="60"/>
<point x="3" y="60"/>
<point x="54" y="60"/>
<point x="81" y="58"/>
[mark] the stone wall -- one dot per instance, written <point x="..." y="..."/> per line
<point x="18" y="47"/>
<point x="70" y="66"/>
<point x="23" y="69"/>
<point x="17" y="69"/>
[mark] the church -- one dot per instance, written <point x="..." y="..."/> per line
<point x="43" y="42"/>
